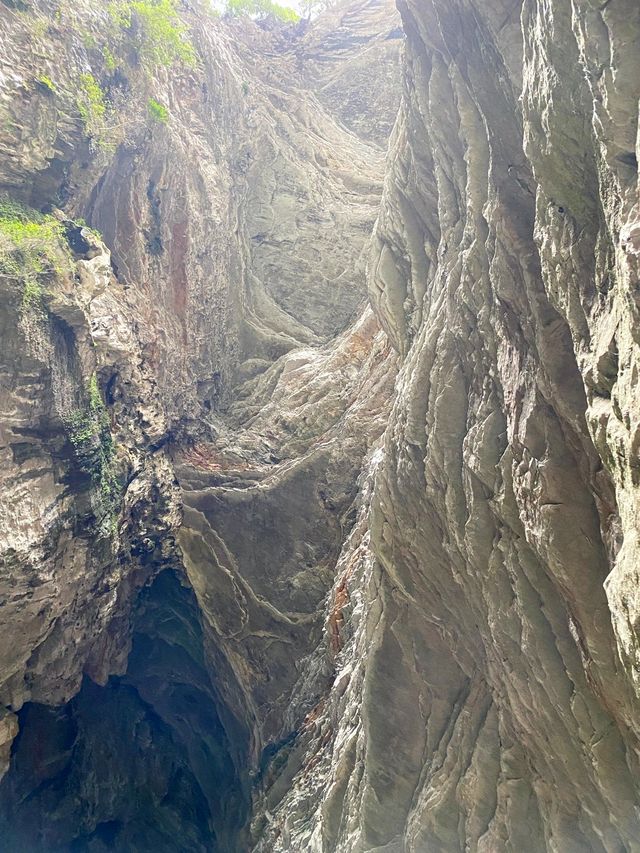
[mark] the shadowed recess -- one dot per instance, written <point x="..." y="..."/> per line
<point x="143" y="763"/>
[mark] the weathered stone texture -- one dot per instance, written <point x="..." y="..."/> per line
<point x="213" y="326"/>
<point x="77" y="541"/>
<point x="417" y="603"/>
<point x="494" y="705"/>
<point x="267" y="507"/>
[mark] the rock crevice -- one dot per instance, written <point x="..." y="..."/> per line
<point x="344" y="578"/>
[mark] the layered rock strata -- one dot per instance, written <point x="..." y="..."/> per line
<point x="485" y="698"/>
<point x="206" y="341"/>
<point x="394" y="618"/>
<point x="89" y="502"/>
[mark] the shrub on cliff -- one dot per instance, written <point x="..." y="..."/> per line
<point x="261" y="10"/>
<point x="91" y="106"/>
<point x="157" y="111"/>
<point x="155" y="30"/>
<point x="31" y="246"/>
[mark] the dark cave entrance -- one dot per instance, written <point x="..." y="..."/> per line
<point x="141" y="764"/>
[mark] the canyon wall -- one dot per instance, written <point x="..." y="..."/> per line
<point x="208" y="326"/>
<point x="485" y="694"/>
<point x="282" y="571"/>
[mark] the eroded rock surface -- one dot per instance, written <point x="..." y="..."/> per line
<point x="486" y="696"/>
<point x="400" y="610"/>
<point x="206" y="341"/>
<point x="88" y="506"/>
<point x="267" y="508"/>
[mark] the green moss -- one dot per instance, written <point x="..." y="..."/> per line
<point x="89" y="434"/>
<point x="95" y="398"/>
<point x="32" y="246"/>
<point x="47" y="84"/>
<point x="19" y="217"/>
<point x="31" y="295"/>
<point x="157" y="111"/>
<point x="110" y="59"/>
<point x="91" y="106"/>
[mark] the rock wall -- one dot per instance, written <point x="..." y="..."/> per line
<point x="393" y="601"/>
<point x="202" y="333"/>
<point x="485" y="697"/>
<point x="89" y="502"/>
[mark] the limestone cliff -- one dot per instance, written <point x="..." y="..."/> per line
<point x="281" y="571"/>
<point x="208" y="341"/>
<point x="486" y="695"/>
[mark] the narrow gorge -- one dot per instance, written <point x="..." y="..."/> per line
<point x="320" y="426"/>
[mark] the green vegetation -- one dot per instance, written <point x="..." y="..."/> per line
<point x="31" y="246"/>
<point x="157" y="111"/>
<point x="89" y="41"/>
<point x="92" y="107"/>
<point x="47" y="84"/>
<point x="95" y="398"/>
<point x="110" y="59"/>
<point x="155" y="30"/>
<point x="23" y="225"/>
<point x="32" y="295"/>
<point x="261" y="9"/>
<point x="90" y="436"/>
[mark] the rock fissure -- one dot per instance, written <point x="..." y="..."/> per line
<point x="282" y="570"/>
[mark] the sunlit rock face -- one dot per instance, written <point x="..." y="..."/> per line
<point x="239" y="225"/>
<point x="270" y="498"/>
<point x="485" y="688"/>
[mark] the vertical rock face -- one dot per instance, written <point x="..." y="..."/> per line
<point x="269" y="501"/>
<point x="486" y="697"/>
<point x="87" y="505"/>
<point x="205" y="333"/>
<point x="391" y="601"/>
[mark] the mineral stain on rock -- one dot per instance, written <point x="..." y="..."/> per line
<point x="319" y="427"/>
